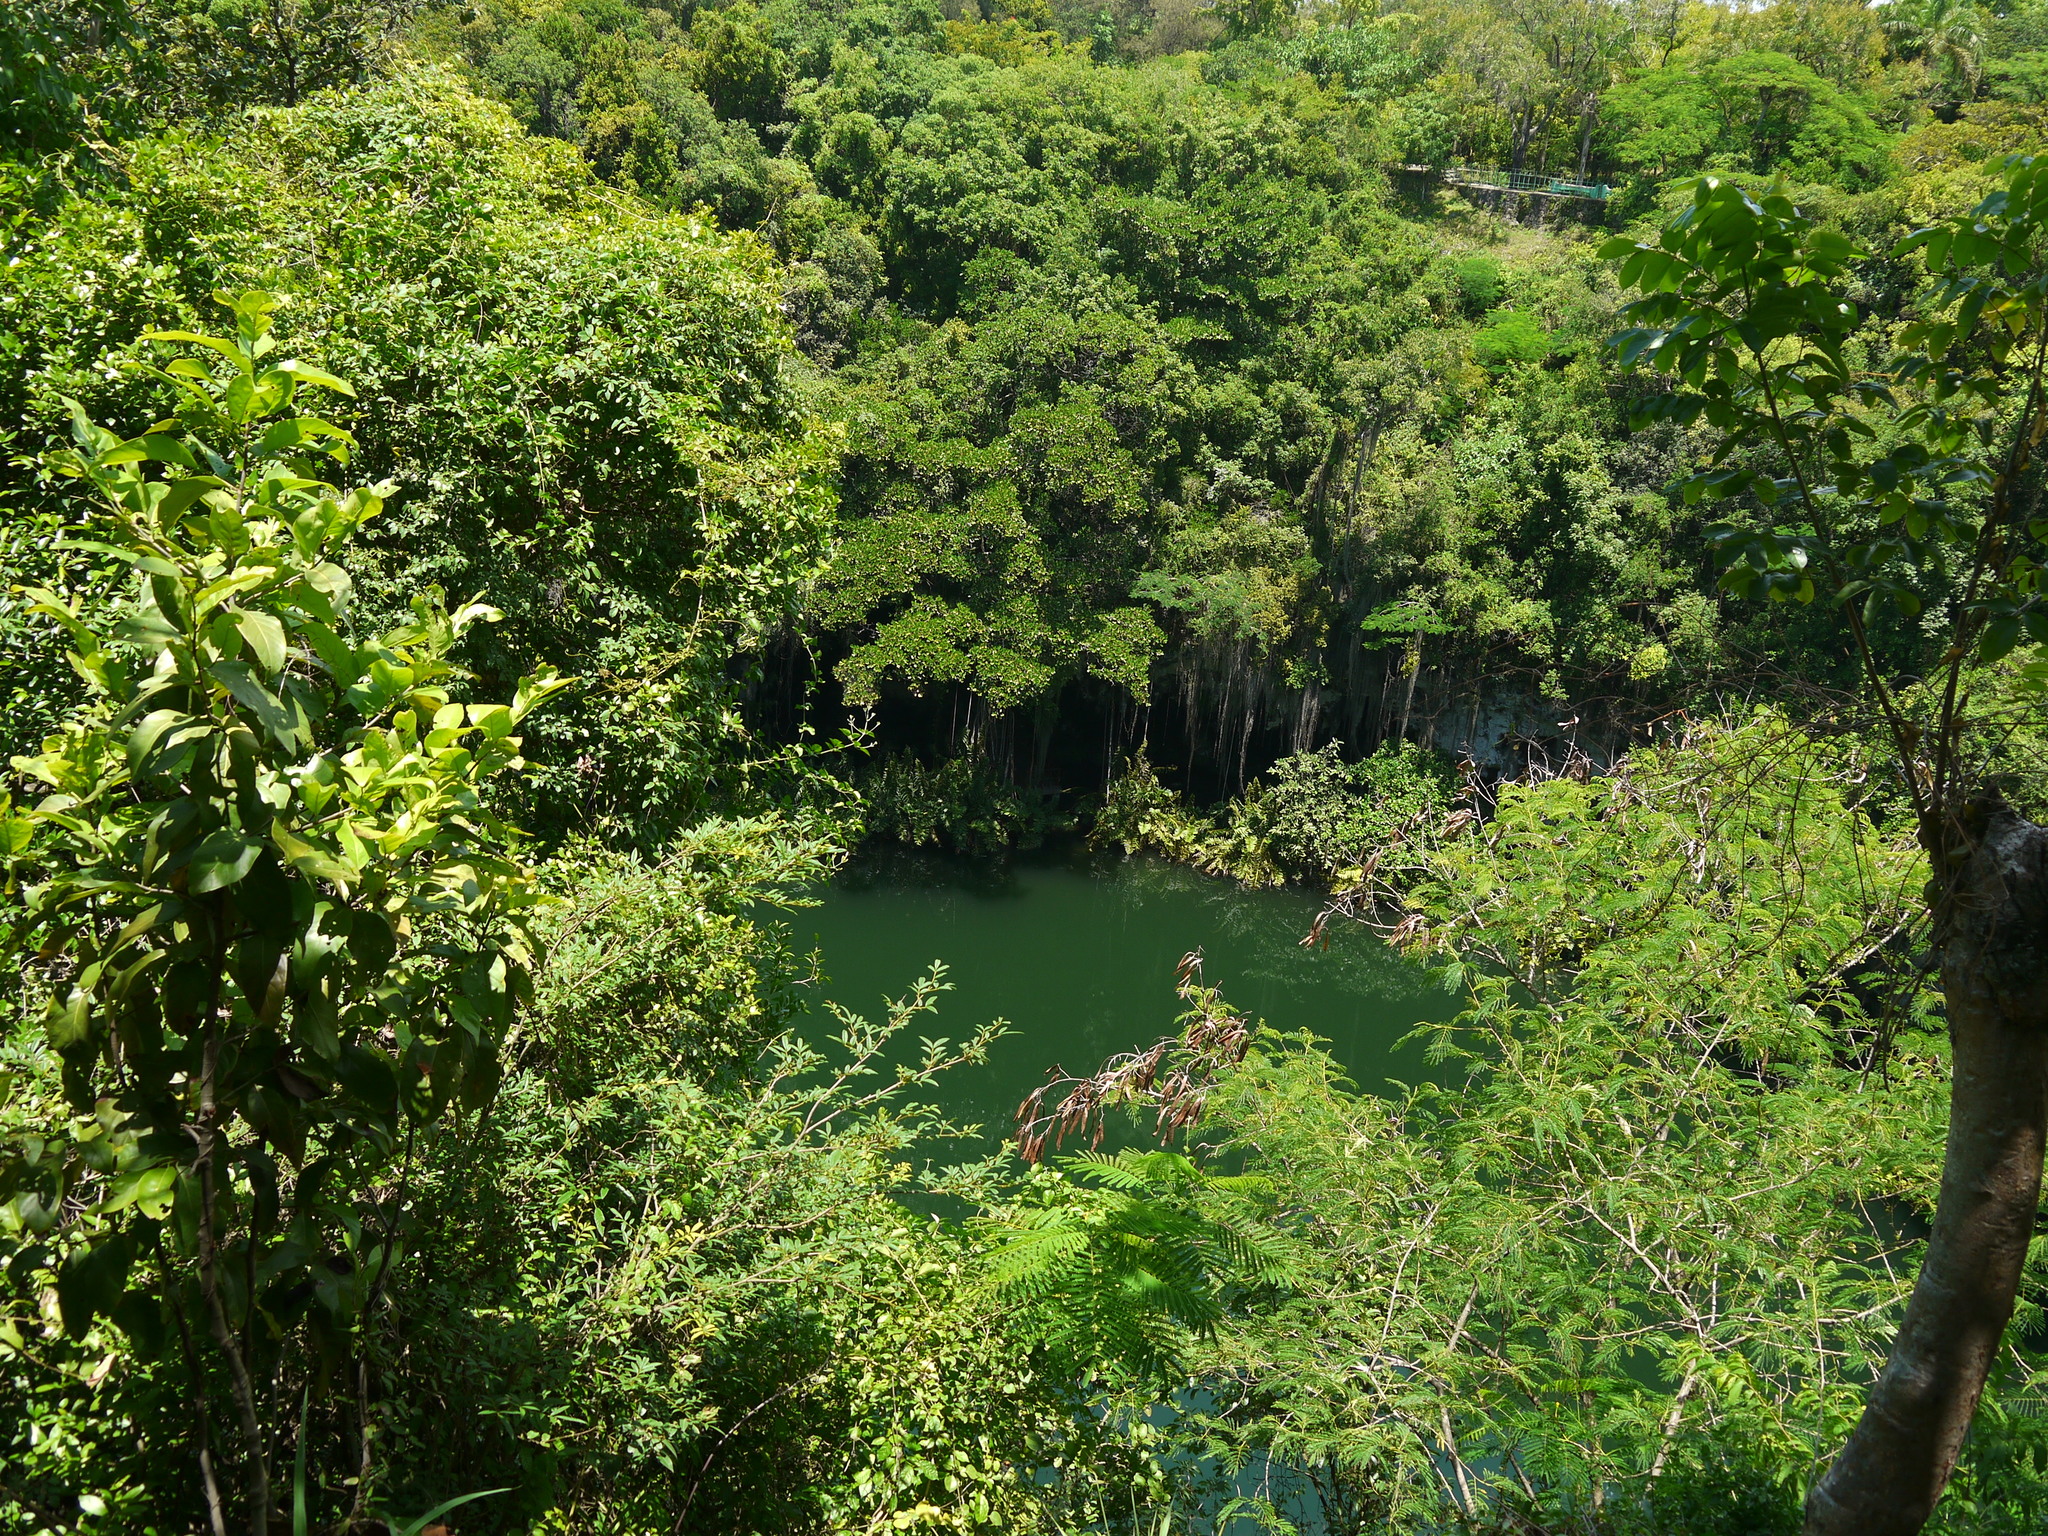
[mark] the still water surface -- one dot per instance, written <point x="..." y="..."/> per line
<point x="1077" y="951"/>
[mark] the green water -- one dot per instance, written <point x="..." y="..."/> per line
<point x="1077" y="951"/>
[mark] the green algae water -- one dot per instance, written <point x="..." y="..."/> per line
<point x="1077" y="951"/>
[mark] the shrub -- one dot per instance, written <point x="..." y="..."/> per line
<point x="1319" y="814"/>
<point x="1480" y="282"/>
<point x="964" y="804"/>
<point x="278" y="929"/>
<point x="1510" y="336"/>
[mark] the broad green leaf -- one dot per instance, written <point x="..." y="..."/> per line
<point x="265" y="636"/>
<point x="295" y="430"/>
<point x="226" y="349"/>
<point x="148" y="1189"/>
<point x="148" y="731"/>
<point x="1999" y="637"/>
<point x="90" y="1282"/>
<point x="210" y="596"/>
<point x="305" y="373"/>
<point x="67" y="1022"/>
<point x="308" y="859"/>
<point x="221" y="859"/>
<point x="279" y="721"/>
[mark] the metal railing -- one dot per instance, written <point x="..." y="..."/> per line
<point x="1524" y="181"/>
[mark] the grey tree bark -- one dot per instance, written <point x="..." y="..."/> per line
<point x="1993" y="938"/>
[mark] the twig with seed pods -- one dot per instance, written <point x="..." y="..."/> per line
<point x="1173" y="1075"/>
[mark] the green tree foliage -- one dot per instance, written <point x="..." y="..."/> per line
<point x="1151" y="374"/>
<point x="65" y="68"/>
<point x="1116" y="1262"/>
<point x="669" y="1278"/>
<point x="715" y="1312"/>
<point x="962" y="803"/>
<point x="308" y="1119"/>
<point x="1115" y="347"/>
<point x="225" y="55"/>
<point x="1003" y="471"/>
<point x="738" y="68"/>
<point x="1639" y="1244"/>
<point x="1322" y="816"/>
<point x="1760" y="112"/>
<point x="1510" y="337"/>
<point x="277" y="927"/>
<point x="1311" y="817"/>
<point x="1856" y="505"/>
<point x="1877" y="485"/>
<point x="1629" y="1259"/>
<point x="583" y="400"/>
<point x="1480" y="281"/>
<point x="1162" y="384"/>
<point x="1944" y="36"/>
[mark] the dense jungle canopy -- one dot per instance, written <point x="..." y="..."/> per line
<point x="501" y="500"/>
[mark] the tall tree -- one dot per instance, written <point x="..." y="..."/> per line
<point x="1873" y="488"/>
<point x="1947" y="35"/>
<point x="1548" y="62"/>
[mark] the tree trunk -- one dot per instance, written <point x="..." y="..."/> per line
<point x="1414" y="671"/>
<point x="1994" y="962"/>
<point x="1523" y="130"/>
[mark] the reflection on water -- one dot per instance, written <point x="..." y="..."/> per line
<point x="1077" y="950"/>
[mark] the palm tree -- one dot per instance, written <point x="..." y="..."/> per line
<point x="1946" y="35"/>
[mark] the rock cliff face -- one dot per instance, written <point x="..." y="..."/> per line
<point x="1214" y="721"/>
